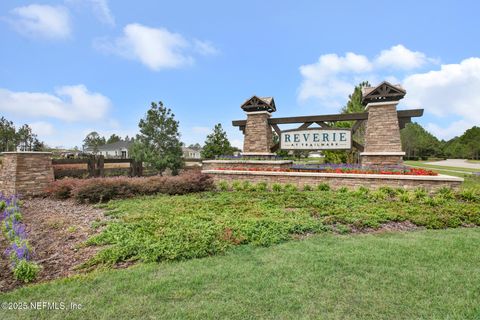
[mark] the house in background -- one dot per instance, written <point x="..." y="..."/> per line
<point x="192" y="153"/>
<point x="116" y="150"/>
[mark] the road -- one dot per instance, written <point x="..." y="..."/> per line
<point x="459" y="163"/>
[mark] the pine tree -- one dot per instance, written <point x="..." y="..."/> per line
<point x="93" y="140"/>
<point x="158" y="143"/>
<point x="217" y="144"/>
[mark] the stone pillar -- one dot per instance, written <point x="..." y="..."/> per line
<point x="258" y="138"/>
<point x="383" y="146"/>
<point x="26" y="173"/>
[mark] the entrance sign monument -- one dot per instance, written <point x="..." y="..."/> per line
<point x="380" y="147"/>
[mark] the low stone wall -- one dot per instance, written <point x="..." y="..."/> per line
<point x="256" y="164"/>
<point x="25" y="173"/>
<point x="336" y="180"/>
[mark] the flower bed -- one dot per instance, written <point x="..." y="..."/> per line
<point x="19" y="251"/>
<point x="352" y="169"/>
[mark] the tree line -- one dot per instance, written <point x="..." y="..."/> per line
<point x="22" y="138"/>
<point x="418" y="143"/>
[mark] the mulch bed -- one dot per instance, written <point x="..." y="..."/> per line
<point x="56" y="231"/>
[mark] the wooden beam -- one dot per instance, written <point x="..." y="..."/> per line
<point x="357" y="145"/>
<point x="275" y="147"/>
<point x="356" y="126"/>
<point x="305" y="125"/>
<point x="323" y="124"/>
<point x="277" y="129"/>
<point x="332" y="117"/>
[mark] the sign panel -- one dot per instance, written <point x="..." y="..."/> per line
<point x="316" y="139"/>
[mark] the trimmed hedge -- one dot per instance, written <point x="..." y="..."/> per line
<point x="104" y="189"/>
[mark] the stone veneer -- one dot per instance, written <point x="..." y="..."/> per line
<point x="382" y="137"/>
<point x="232" y="164"/>
<point x="258" y="138"/>
<point x="335" y="180"/>
<point x="25" y="173"/>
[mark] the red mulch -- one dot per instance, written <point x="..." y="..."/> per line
<point x="56" y="231"/>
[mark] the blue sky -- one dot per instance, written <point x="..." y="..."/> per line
<point x="70" y="67"/>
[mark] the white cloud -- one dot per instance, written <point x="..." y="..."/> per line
<point x="454" y="129"/>
<point x="330" y="78"/>
<point x="399" y="57"/>
<point x="42" y="128"/>
<point x="451" y="91"/>
<point x="157" y="48"/>
<point x="100" y="9"/>
<point x="70" y="103"/>
<point x="35" y="20"/>
<point x="205" y="48"/>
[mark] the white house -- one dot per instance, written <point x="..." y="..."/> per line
<point x="191" y="153"/>
<point x="118" y="150"/>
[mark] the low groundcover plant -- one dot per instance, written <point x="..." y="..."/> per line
<point x="19" y="251"/>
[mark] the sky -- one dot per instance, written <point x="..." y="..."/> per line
<point x="75" y="66"/>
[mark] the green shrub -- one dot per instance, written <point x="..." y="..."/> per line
<point x="342" y="190"/>
<point x="290" y="187"/>
<point x="405" y="197"/>
<point x="446" y="193"/>
<point x="378" y="195"/>
<point x="389" y="191"/>
<point x="469" y="195"/>
<point x="323" y="187"/>
<point x="420" y="193"/>
<point x="307" y="187"/>
<point x="276" y="187"/>
<point x="236" y="185"/>
<point x="246" y="185"/>
<point x="223" y="185"/>
<point x="3" y="205"/>
<point x="26" y="271"/>
<point x="262" y="186"/>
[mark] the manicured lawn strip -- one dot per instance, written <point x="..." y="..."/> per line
<point x="473" y="161"/>
<point x="430" y="166"/>
<point x="431" y="274"/>
<point x="166" y="227"/>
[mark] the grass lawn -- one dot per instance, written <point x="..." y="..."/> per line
<point x="430" y="274"/>
<point x="473" y="161"/>
<point x="439" y="168"/>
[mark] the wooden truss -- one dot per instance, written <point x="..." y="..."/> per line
<point x="325" y="121"/>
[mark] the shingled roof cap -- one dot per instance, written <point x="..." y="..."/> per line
<point x="259" y="104"/>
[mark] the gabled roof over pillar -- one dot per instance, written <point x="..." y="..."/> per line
<point x="259" y="104"/>
<point x="384" y="92"/>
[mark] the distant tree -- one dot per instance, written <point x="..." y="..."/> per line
<point x="195" y="146"/>
<point x="217" y="144"/>
<point x="114" y="138"/>
<point x="25" y="138"/>
<point x="93" y="140"/>
<point x="418" y="142"/>
<point x="465" y="146"/>
<point x="158" y="143"/>
<point x="353" y="105"/>
<point x="7" y="135"/>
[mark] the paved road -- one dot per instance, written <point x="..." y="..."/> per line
<point x="461" y="163"/>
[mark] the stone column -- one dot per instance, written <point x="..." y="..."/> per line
<point x="26" y="173"/>
<point x="258" y="138"/>
<point x="383" y="146"/>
